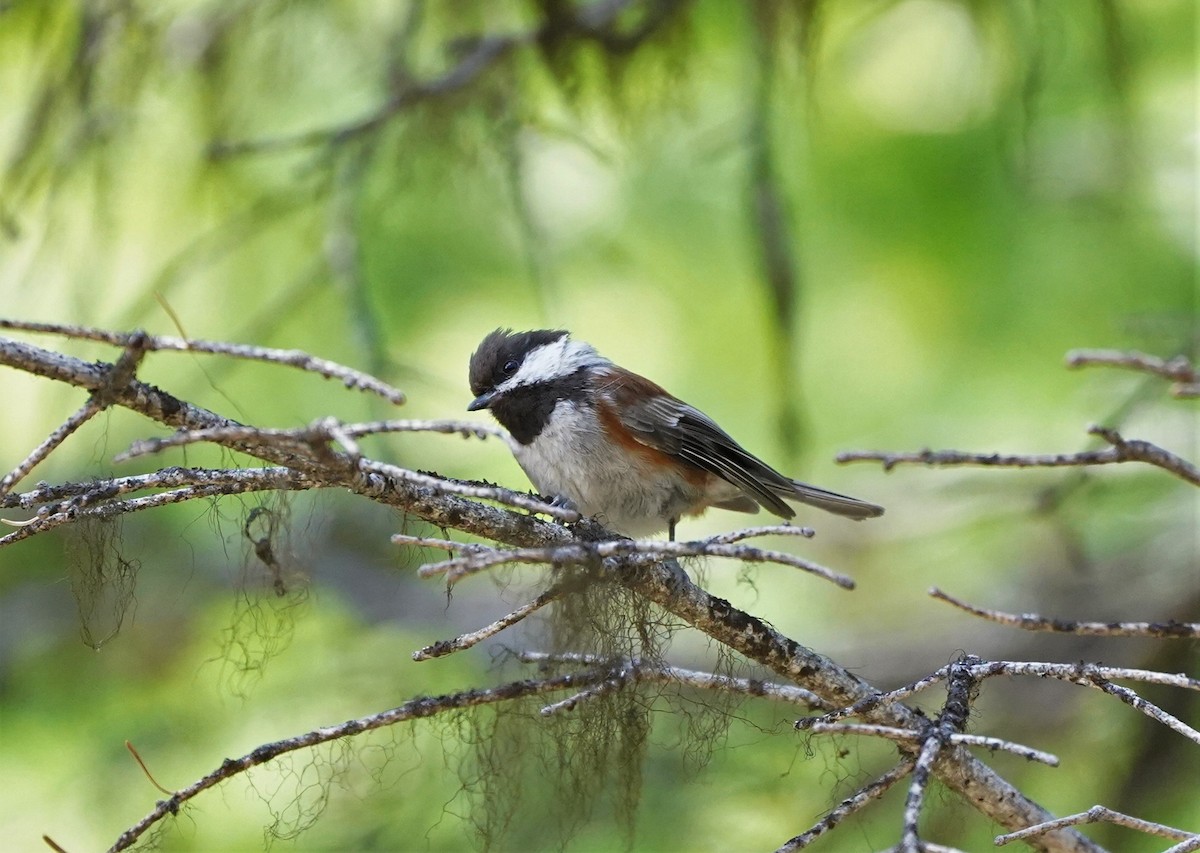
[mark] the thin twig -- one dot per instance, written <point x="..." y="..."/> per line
<point x="1097" y="814"/>
<point x="1131" y="698"/>
<point x="146" y="770"/>
<point x="349" y="377"/>
<point x="910" y="839"/>
<point x="765" y="530"/>
<point x="580" y="552"/>
<point x="415" y="709"/>
<point x="1122" y="450"/>
<point x="74" y="422"/>
<point x="467" y="429"/>
<point x="1093" y="675"/>
<point x="323" y="430"/>
<point x="664" y="674"/>
<point x="1177" y="368"/>
<point x="908" y="735"/>
<point x="869" y="703"/>
<point x="1136" y="450"/>
<point x="117" y="375"/>
<point x="615" y="681"/>
<point x="60" y="497"/>
<point x="1034" y="622"/>
<point x="71" y="512"/>
<point x="850" y="805"/>
<point x="466" y="641"/>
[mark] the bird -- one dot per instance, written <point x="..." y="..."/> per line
<point x="615" y="446"/>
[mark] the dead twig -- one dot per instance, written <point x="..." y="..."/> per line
<point x="1179" y="368"/>
<point x="863" y="796"/>
<point x="1122" y="450"/>
<point x="1034" y="622"/>
<point x="1097" y="814"/>
<point x="412" y="710"/>
<point x="591" y="552"/>
<point x="299" y="359"/>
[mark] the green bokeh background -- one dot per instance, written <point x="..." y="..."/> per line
<point x="971" y="190"/>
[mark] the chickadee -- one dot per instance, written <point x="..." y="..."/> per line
<point x="618" y="447"/>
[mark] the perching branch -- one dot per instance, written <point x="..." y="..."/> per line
<point x="635" y="566"/>
<point x="583" y="553"/>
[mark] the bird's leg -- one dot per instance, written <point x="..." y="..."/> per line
<point x="671" y="529"/>
<point x="561" y="502"/>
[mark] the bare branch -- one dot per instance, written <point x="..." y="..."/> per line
<point x="348" y="376"/>
<point x="848" y="806"/>
<point x="582" y="553"/>
<point x="1136" y="450"/>
<point x="317" y="435"/>
<point x="765" y="530"/>
<point x="961" y="681"/>
<point x="1033" y="622"/>
<point x="615" y="681"/>
<point x="664" y="674"/>
<point x="1093" y="675"/>
<point x="120" y="373"/>
<point x="71" y="511"/>
<point x="908" y="735"/>
<point x="1123" y="450"/>
<point x="74" y="422"/>
<point x="1151" y="710"/>
<point x="466" y="641"/>
<point x="88" y="493"/>
<point x="1076" y="671"/>
<point x="1177" y="368"/>
<point x="1098" y="814"/>
<point x="467" y="429"/>
<point x="413" y="710"/>
<point x="910" y="839"/>
<point x="869" y="703"/>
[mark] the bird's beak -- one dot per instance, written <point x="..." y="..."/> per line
<point x="482" y="401"/>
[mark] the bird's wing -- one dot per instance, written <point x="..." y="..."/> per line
<point x="671" y="426"/>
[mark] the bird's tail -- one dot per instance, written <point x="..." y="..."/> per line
<point x="833" y="502"/>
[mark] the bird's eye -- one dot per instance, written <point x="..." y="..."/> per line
<point x="510" y="367"/>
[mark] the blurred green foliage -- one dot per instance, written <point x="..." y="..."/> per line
<point x="966" y="190"/>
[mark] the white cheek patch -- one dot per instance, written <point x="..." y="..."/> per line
<point x="553" y="361"/>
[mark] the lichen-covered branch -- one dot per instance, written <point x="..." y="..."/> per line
<point x="414" y="709"/>
<point x="646" y="574"/>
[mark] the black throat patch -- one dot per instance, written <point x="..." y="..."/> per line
<point x="526" y="410"/>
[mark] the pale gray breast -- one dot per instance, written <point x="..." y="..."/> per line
<point x="573" y="457"/>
